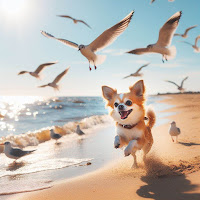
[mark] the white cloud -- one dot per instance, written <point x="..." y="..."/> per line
<point x="168" y="65"/>
<point x="138" y="61"/>
<point x="79" y="62"/>
<point x="115" y="52"/>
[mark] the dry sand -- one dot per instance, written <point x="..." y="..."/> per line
<point x="172" y="171"/>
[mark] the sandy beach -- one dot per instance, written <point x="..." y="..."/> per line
<point x="171" y="172"/>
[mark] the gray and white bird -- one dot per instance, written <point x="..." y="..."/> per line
<point x="104" y="40"/>
<point x="14" y="153"/>
<point x="74" y="20"/>
<point x="164" y="41"/>
<point x="136" y="74"/>
<point x="179" y="87"/>
<point x="79" y="131"/>
<point x="37" y="72"/>
<point x="55" y="136"/>
<point x="185" y="34"/>
<point x="194" y="46"/>
<point x="152" y="1"/>
<point x="174" y="131"/>
<point x="54" y="84"/>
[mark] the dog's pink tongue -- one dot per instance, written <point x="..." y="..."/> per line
<point x="123" y="114"/>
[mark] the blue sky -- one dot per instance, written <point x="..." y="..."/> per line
<point x="24" y="48"/>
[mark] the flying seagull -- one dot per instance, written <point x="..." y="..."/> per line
<point x="152" y="1"/>
<point x="105" y="39"/>
<point x="165" y="38"/>
<point x="195" y="47"/>
<point x="184" y="35"/>
<point x="137" y="72"/>
<point x="54" y="135"/>
<point x="174" y="131"/>
<point x="74" y="20"/>
<point x="56" y="80"/>
<point x="14" y="153"/>
<point x="37" y="72"/>
<point x="179" y="87"/>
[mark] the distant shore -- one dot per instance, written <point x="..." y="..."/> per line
<point x="172" y="171"/>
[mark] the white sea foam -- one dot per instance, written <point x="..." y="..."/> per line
<point x="34" y="138"/>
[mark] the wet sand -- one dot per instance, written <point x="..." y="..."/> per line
<point x="171" y="172"/>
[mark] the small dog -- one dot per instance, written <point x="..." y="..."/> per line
<point x="128" y="111"/>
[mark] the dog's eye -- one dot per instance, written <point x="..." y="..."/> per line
<point x="128" y="103"/>
<point x="116" y="104"/>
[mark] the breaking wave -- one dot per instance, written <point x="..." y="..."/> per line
<point x="34" y="138"/>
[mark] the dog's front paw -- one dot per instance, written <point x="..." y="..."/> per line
<point x="117" y="142"/>
<point x="127" y="152"/>
<point x="117" y="145"/>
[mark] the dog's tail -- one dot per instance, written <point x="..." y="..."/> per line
<point x="151" y="117"/>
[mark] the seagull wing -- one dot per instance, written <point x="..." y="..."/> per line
<point x="168" y="29"/>
<point x="142" y="67"/>
<point x="42" y="66"/>
<point x="186" y="31"/>
<point x="66" y="16"/>
<point x="83" y="23"/>
<point x="140" y="51"/>
<point x="42" y="86"/>
<point x="196" y="40"/>
<point x="152" y="1"/>
<point x="172" y="83"/>
<point x="187" y="43"/>
<point x="183" y="81"/>
<point x="111" y="34"/>
<point x="67" y="42"/>
<point x="177" y="34"/>
<point x="19" y="153"/>
<point x="22" y="72"/>
<point x="57" y="79"/>
<point x="127" y="76"/>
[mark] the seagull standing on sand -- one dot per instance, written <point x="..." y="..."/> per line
<point x="37" y="72"/>
<point x="14" y="153"/>
<point x="195" y="47"/>
<point x="181" y="86"/>
<point x="79" y="131"/>
<point x="164" y="41"/>
<point x="105" y="39"/>
<point x="54" y="135"/>
<point x="56" y="80"/>
<point x="74" y="20"/>
<point x="184" y="35"/>
<point x="137" y="72"/>
<point x="174" y="131"/>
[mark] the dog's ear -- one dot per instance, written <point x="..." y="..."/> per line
<point x="108" y="93"/>
<point x="138" y="88"/>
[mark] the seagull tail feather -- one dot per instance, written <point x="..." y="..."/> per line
<point x="172" y="53"/>
<point x="99" y="59"/>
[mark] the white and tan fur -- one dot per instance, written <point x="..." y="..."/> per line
<point x="131" y="107"/>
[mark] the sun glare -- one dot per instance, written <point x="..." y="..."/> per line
<point x="13" y="8"/>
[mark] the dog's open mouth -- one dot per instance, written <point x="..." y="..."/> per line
<point x="125" y="114"/>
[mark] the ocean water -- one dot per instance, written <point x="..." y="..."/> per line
<point x="26" y="122"/>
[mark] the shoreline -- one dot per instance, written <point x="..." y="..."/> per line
<point x="154" y="180"/>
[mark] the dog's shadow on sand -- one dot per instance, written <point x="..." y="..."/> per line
<point x="162" y="183"/>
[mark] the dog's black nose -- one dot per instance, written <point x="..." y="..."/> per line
<point x="121" y="107"/>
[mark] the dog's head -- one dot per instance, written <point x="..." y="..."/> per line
<point x="126" y="108"/>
